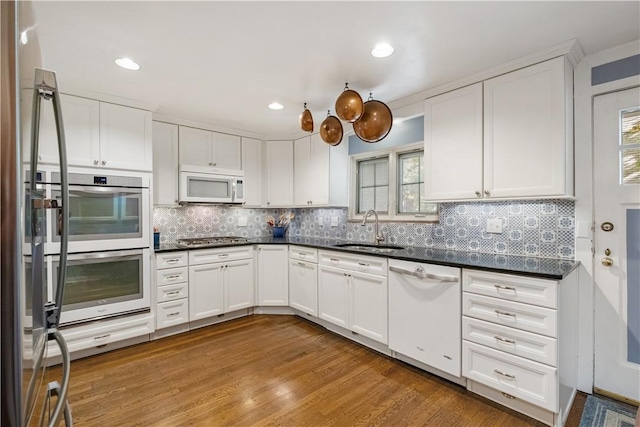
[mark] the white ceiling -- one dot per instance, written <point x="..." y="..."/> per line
<point x="223" y="62"/>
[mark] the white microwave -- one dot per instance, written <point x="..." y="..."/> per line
<point x="203" y="184"/>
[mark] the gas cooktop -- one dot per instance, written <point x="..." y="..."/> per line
<point x="205" y="242"/>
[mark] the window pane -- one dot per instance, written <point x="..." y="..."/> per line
<point x="631" y="166"/>
<point x="367" y="174"/>
<point x="382" y="172"/>
<point x="367" y="199"/>
<point x="410" y="169"/>
<point x="410" y="199"/>
<point x="382" y="199"/>
<point x="631" y="127"/>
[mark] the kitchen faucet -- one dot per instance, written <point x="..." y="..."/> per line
<point x="378" y="237"/>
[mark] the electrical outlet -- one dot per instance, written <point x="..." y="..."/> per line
<point x="494" y="225"/>
<point x="319" y="220"/>
<point x="242" y="221"/>
<point x="335" y="221"/>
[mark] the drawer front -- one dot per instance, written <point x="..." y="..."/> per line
<point x="81" y="338"/>
<point x="512" y="402"/>
<point x="231" y="253"/>
<point x="172" y="259"/>
<point x="172" y="275"/>
<point x="513" y="288"/>
<point x="303" y="254"/>
<point x="533" y="382"/>
<point x="527" y="317"/>
<point x="354" y="262"/>
<point x="172" y="313"/>
<point x="172" y="292"/>
<point x="514" y="341"/>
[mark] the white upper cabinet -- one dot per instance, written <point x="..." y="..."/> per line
<point x="279" y="173"/>
<point x="206" y="148"/>
<point x="165" y="164"/>
<point x="528" y="147"/>
<point x="125" y="138"/>
<point x="252" y="167"/>
<point x="508" y="137"/>
<point x="320" y="172"/>
<point x="453" y="144"/>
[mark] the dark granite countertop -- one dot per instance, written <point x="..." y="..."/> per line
<point x="546" y="268"/>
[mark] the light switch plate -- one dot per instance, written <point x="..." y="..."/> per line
<point x="242" y="221"/>
<point x="319" y="220"/>
<point x="335" y="221"/>
<point x="494" y="225"/>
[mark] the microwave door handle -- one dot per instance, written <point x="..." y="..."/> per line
<point x="233" y="189"/>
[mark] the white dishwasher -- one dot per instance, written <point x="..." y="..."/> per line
<point x="425" y="314"/>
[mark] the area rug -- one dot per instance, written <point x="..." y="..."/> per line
<point x="601" y="412"/>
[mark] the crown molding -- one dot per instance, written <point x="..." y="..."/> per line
<point x="206" y="126"/>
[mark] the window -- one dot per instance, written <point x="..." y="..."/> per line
<point x="630" y="147"/>
<point x="392" y="183"/>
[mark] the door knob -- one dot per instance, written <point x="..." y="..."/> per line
<point x="607" y="262"/>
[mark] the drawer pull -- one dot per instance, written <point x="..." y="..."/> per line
<point x="302" y="264"/>
<point x="504" y="313"/>
<point x="364" y="264"/>
<point x="223" y="255"/>
<point x="420" y="274"/>
<point x="175" y="313"/>
<point x="504" y="339"/>
<point x="171" y="293"/>
<point x="172" y="277"/>
<point x="172" y="261"/>
<point x="101" y="337"/>
<point x="302" y="254"/>
<point x="334" y="259"/>
<point x="505" y="288"/>
<point x="499" y="372"/>
<point x="508" y="396"/>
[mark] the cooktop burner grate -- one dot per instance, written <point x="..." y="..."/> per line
<point x="201" y="242"/>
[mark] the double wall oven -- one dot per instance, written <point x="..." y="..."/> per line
<point x="108" y="269"/>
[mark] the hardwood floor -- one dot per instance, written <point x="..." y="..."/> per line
<point x="270" y="370"/>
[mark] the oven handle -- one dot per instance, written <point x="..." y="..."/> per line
<point x="102" y="255"/>
<point x="100" y="190"/>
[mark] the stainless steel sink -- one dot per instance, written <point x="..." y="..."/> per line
<point x="369" y="248"/>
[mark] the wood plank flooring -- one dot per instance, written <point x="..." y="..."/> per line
<point x="270" y="370"/>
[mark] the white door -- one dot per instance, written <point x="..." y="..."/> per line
<point x="196" y="146"/>
<point x="81" y="118"/>
<point x="273" y="275"/>
<point x="369" y="310"/>
<point x="252" y="167"/>
<point x="279" y="173"/>
<point x="165" y="164"/>
<point x="617" y="205"/>
<point x="333" y="295"/>
<point x="319" y="179"/>
<point x="206" y="291"/>
<point x="125" y="138"/>
<point x="238" y="283"/>
<point x="303" y="286"/>
<point x="227" y="151"/>
<point x="302" y="171"/>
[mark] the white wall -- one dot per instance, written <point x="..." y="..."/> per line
<point x="583" y="107"/>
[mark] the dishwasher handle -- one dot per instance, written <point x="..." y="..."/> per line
<point x="423" y="275"/>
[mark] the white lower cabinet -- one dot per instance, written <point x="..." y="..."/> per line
<point x="520" y="342"/>
<point x="303" y="279"/>
<point x="349" y="298"/>
<point x="273" y="275"/>
<point x="221" y="286"/>
<point x="172" y="289"/>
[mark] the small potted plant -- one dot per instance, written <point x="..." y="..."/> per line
<point x="280" y="226"/>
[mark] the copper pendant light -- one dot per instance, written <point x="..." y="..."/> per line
<point x="331" y="130"/>
<point x="349" y="106"/>
<point x="306" y="120"/>
<point x="375" y="123"/>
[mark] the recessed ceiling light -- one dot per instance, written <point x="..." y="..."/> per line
<point x="276" y="106"/>
<point x="127" y="64"/>
<point x="382" y="50"/>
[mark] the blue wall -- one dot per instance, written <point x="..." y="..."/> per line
<point x="402" y="133"/>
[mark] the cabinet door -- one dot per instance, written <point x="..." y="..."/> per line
<point x="125" y="138"/>
<point x="238" y="283"/>
<point x="279" y="173"/>
<point x="333" y="295"/>
<point x="206" y="291"/>
<point x="273" y="275"/>
<point x="195" y="146"/>
<point x="302" y="173"/>
<point x="165" y="164"/>
<point x="369" y="306"/>
<point x="527" y="133"/>
<point x="319" y="177"/>
<point x="453" y="145"/>
<point x="303" y="286"/>
<point x="252" y="167"/>
<point x="226" y="151"/>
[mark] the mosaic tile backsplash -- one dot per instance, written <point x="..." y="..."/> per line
<point x="543" y="228"/>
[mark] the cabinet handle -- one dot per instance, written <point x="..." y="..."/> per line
<point x="302" y="254"/>
<point x="504" y="375"/>
<point x="172" y="261"/>
<point x="39" y="157"/>
<point x="486" y="193"/>
<point x="506" y="288"/>
<point x="210" y="164"/>
<point x="363" y="264"/>
<point x="104" y="162"/>
<point x="175" y="313"/>
<point x="171" y="293"/>
<point x="223" y="255"/>
<point x="504" y="313"/>
<point x="504" y="339"/>
<point x="419" y="273"/>
<point x="479" y="194"/>
<point x="334" y="259"/>
<point x="508" y="396"/>
<point x="101" y="337"/>
<point x="268" y="203"/>
<point x="95" y="162"/>
<point x="302" y="264"/>
<point x="172" y="277"/>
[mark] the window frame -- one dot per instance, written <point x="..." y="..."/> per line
<point x="392" y="154"/>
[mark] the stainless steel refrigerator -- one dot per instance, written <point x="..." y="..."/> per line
<point x="27" y="396"/>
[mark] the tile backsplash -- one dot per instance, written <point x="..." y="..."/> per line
<point x="543" y="228"/>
